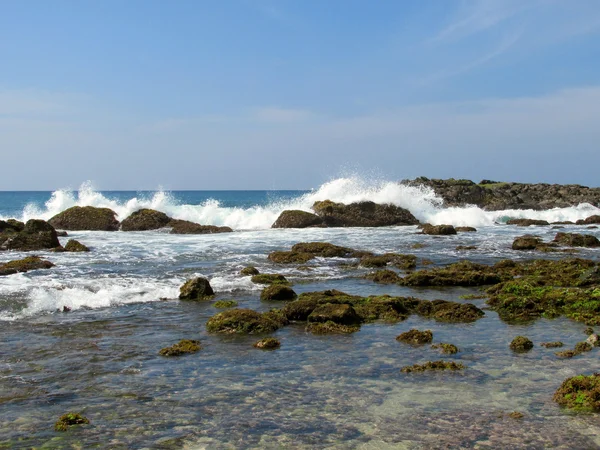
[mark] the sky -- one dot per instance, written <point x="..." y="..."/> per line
<point x="282" y="94"/>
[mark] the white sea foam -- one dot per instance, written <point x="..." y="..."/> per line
<point x="420" y="200"/>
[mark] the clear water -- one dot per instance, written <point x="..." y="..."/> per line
<point x="102" y="359"/>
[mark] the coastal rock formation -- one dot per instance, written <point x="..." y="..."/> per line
<point x="75" y="246"/>
<point x="527" y="242"/>
<point x="404" y="262"/>
<point x="181" y="348"/>
<point x="338" y="313"/>
<point x="577" y="240"/>
<point x="245" y="321"/>
<point x="362" y="214"/>
<point x="34" y="235"/>
<point x="415" y="337"/>
<point x="24" y="265"/>
<point x="277" y="292"/>
<point x="527" y="222"/>
<point x="521" y="344"/>
<point x="187" y="227"/>
<point x="589" y="221"/>
<point x="437" y="230"/>
<point x="494" y="196"/>
<point x="297" y="219"/>
<point x="267" y="344"/>
<point x="581" y="392"/>
<point x="196" y="289"/>
<point x="86" y="218"/>
<point x="269" y="278"/>
<point x="145" y="219"/>
<point x="249" y="271"/>
<point x="305" y="251"/>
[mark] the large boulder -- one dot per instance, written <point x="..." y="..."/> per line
<point x="527" y="242"/>
<point x="362" y="214"/>
<point x="24" y="265"/>
<point x="196" y="289"/>
<point x="35" y="235"/>
<point x="187" y="227"/>
<point x="589" y="221"/>
<point x="145" y="219"/>
<point x="438" y="230"/>
<point x="577" y="240"/>
<point x="86" y="218"/>
<point x="297" y="219"/>
<point x="11" y="226"/>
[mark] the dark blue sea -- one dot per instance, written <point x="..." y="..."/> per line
<point x="335" y="391"/>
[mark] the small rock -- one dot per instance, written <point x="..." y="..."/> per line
<point x="196" y="289"/>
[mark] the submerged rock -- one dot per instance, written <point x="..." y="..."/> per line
<point x="289" y="257"/>
<point x="249" y="271"/>
<point x="67" y="420"/>
<point x="24" y="265"/>
<point x="269" y="278"/>
<point x="527" y="222"/>
<point x="448" y="349"/>
<point x="466" y="229"/>
<point x="415" y="337"/>
<point x="86" y="218"/>
<point x="187" y="227"/>
<point x="277" y="292"/>
<point x="577" y="240"/>
<point x="75" y="246"/>
<point x="34" y="235"/>
<point x="223" y="304"/>
<point x="267" y="344"/>
<point x="11" y="226"/>
<point x="581" y="393"/>
<point x="433" y="365"/>
<point x="463" y="273"/>
<point x="331" y="328"/>
<point x="182" y="347"/>
<point x="438" y="230"/>
<point x="145" y="219"/>
<point x="297" y="219"/>
<point x="245" y="321"/>
<point x="447" y="311"/>
<point x="521" y="344"/>
<point x="338" y="313"/>
<point x="196" y="289"/>
<point x="556" y="344"/>
<point x="384" y="276"/>
<point x="362" y="214"/>
<point x="404" y="262"/>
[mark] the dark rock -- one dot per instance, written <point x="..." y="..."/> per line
<point x="415" y="337"/>
<point x="11" y="226"/>
<point x="69" y="419"/>
<point x="384" y="276"/>
<point x="86" y="218"/>
<point x="277" y="292"/>
<point x="331" y="328"/>
<point x="577" y="240"/>
<point x="269" y="278"/>
<point x="556" y="344"/>
<point x="588" y="221"/>
<point x="404" y="262"/>
<point x="145" y="219"/>
<point x="75" y="246"/>
<point x="527" y="222"/>
<point x="521" y="344"/>
<point x="187" y="227"/>
<point x="438" y="230"/>
<point x="196" y="289"/>
<point x="465" y="247"/>
<point x="24" y="265"/>
<point x="448" y="349"/>
<point x="249" y="270"/>
<point x="527" y="242"/>
<point x="433" y="365"/>
<point x="289" y="257"/>
<point x="581" y="392"/>
<point x="267" y="344"/>
<point x="181" y="348"/>
<point x="297" y="219"/>
<point x="62" y="233"/>
<point x="338" y="313"/>
<point x="362" y="214"/>
<point x="245" y="321"/>
<point x="463" y="273"/>
<point x="466" y="229"/>
<point x="35" y="235"/>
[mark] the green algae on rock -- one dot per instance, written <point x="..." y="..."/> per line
<point x="290" y="257"/>
<point x="516" y="415"/>
<point x="267" y="344"/>
<point x="438" y="230"/>
<point x="331" y="328"/>
<point x="577" y="240"/>
<point x="580" y="393"/>
<point x="297" y="219"/>
<point x="75" y="246"/>
<point x="245" y="321"/>
<point x="331" y="312"/>
<point x="521" y="344"/>
<point x="269" y="278"/>
<point x="447" y="349"/>
<point x="463" y="273"/>
<point x="384" y="276"/>
<point x="278" y="292"/>
<point x="415" y="337"/>
<point x="434" y="365"/>
<point x="447" y="311"/>
<point x="196" y="289"/>
<point x="404" y="262"/>
<point x="34" y="235"/>
<point x="24" y="265"/>
<point x="249" y="271"/>
<point x="145" y="219"/>
<point x="362" y="214"/>
<point x="182" y="347"/>
<point x="86" y="218"/>
<point x="70" y="419"/>
<point x="223" y="304"/>
<point x="555" y="344"/>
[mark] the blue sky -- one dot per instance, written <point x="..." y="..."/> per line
<point x="265" y="94"/>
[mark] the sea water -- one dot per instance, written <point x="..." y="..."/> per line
<point x="102" y="359"/>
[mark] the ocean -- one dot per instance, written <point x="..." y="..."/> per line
<point x="333" y="391"/>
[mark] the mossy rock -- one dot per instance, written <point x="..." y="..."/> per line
<point x="434" y="365"/>
<point x="527" y="243"/>
<point x="463" y="273"/>
<point x="555" y="344"/>
<point x="581" y="393"/>
<point x="300" y="309"/>
<point x="267" y="344"/>
<point x="297" y="219"/>
<point x="11" y="226"/>
<point x="362" y="214"/>
<point x="466" y="229"/>
<point x="527" y="222"/>
<point x="187" y="227"/>
<point x="521" y="344"/>
<point x="323" y="249"/>
<point x="196" y="289"/>
<point x="181" y="348"/>
<point x="245" y="321"/>
<point x="75" y="246"/>
<point x="86" y="218"/>
<point x="24" y="265"/>
<point x="269" y="278"/>
<point x="447" y="311"/>
<point x="331" y="328"/>
<point x="278" y="292"/>
<point x="415" y="337"/>
<point x="249" y="271"/>
<point x="447" y="349"/>
<point x="385" y="276"/>
<point x="70" y="419"/>
<point x="34" y="235"/>
<point x="334" y="312"/>
<point x="289" y="257"/>
<point x="438" y="230"/>
<point x="577" y="240"/>
<point x="583" y="346"/>
<point x="404" y="262"/>
<point x="145" y="219"/>
<point x="588" y="331"/>
<point x="224" y="304"/>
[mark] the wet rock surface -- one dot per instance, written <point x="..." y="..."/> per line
<point x="145" y="219"/>
<point x="362" y="214"/>
<point x="30" y="236"/>
<point x="86" y="218"/>
<point x="297" y="219"/>
<point x="198" y="288"/>
<point x="24" y="265"/>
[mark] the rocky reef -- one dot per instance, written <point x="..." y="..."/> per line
<point x="245" y="321"/>
<point x="30" y="236"/>
<point x="24" y="265"/>
<point x="181" y="348"/>
<point x="433" y="365"/>
<point x="86" y="218"/>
